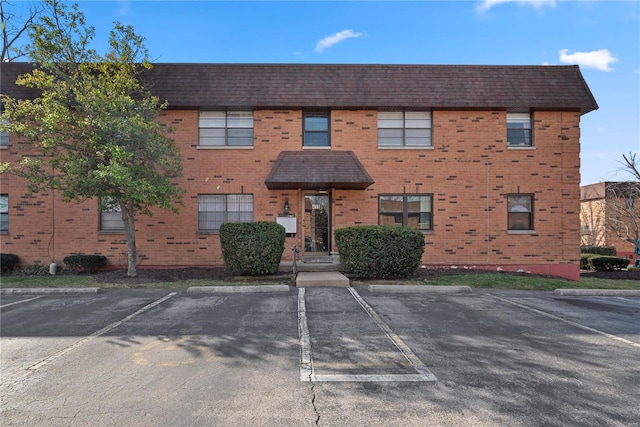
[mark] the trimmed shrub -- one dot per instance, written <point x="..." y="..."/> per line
<point x="8" y="262"/>
<point x="252" y="248"/>
<point x="584" y="260"/>
<point x="607" y="263"/>
<point x="600" y="250"/>
<point x="380" y="252"/>
<point x="85" y="263"/>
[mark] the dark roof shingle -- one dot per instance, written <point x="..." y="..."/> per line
<point x="318" y="169"/>
<point x="356" y="86"/>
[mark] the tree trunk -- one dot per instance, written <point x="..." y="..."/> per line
<point x="130" y="230"/>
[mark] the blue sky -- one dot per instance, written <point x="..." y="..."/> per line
<point x="602" y="36"/>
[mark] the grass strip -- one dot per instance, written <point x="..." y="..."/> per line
<point x="528" y="283"/>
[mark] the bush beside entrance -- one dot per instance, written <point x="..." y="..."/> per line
<point x="380" y="252"/>
<point x="252" y="248"/>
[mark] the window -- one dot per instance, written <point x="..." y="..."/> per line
<point x="413" y="211"/>
<point x="4" y="213"/>
<point x="519" y="130"/>
<point x="628" y="203"/>
<point x="226" y="129"/>
<point x="213" y="210"/>
<point x="111" y="216"/>
<point x="404" y="129"/>
<point x="4" y="136"/>
<point x="520" y="211"/>
<point x="316" y="130"/>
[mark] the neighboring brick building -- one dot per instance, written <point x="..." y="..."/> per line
<point x="610" y="216"/>
<point x="483" y="159"/>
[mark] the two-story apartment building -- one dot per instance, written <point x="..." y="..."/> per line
<point x="610" y="216"/>
<point x="484" y="160"/>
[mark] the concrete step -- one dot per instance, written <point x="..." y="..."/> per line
<point x="287" y="266"/>
<point x="307" y="279"/>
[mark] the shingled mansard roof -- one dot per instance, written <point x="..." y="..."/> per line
<point x="362" y="86"/>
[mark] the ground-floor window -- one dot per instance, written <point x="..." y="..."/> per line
<point x="520" y="212"/>
<point x="110" y="216"/>
<point x="415" y="210"/>
<point x="4" y="213"/>
<point x="216" y="209"/>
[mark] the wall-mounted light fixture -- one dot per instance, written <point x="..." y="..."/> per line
<point x="286" y="206"/>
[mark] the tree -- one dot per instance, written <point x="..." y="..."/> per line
<point x="95" y="124"/>
<point x="624" y="213"/>
<point x="13" y="26"/>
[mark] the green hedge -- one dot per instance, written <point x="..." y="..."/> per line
<point x="8" y="262"/>
<point x="252" y="248"/>
<point x="380" y="252"/>
<point x="85" y="263"/>
<point x="606" y="263"/>
<point x="600" y="250"/>
<point x="584" y="260"/>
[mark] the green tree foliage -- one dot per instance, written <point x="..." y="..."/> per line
<point x="95" y="124"/>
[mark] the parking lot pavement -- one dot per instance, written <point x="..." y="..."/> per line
<point x="157" y="357"/>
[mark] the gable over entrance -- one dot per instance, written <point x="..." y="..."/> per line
<point x="316" y="170"/>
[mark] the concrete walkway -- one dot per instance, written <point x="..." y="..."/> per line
<point x="306" y="279"/>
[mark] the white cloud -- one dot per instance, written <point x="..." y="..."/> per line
<point x="485" y="5"/>
<point x="329" y="41"/>
<point x="598" y="59"/>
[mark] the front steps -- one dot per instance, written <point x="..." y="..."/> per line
<point x="317" y="271"/>
<point x="308" y="279"/>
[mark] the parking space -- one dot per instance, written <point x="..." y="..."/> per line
<point x="325" y="356"/>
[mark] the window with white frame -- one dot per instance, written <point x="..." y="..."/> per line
<point x="4" y="213"/>
<point x="316" y="130"/>
<point x="519" y="130"/>
<point x="111" y="216"/>
<point x="216" y="209"/>
<point x="415" y="211"/>
<point x="226" y="129"/>
<point x="404" y="129"/>
<point x="520" y="212"/>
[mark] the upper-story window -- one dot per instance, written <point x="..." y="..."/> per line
<point x="226" y="129"/>
<point x="404" y="129"/>
<point x="519" y="130"/>
<point x="4" y="213"/>
<point x="316" y="130"/>
<point x="4" y="136"/>
<point x="520" y="212"/>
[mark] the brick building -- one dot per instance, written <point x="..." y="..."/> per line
<point x="610" y="216"/>
<point x="484" y="160"/>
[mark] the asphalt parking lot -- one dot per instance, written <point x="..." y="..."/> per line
<point x="319" y="356"/>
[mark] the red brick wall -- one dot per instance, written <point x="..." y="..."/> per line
<point x="469" y="171"/>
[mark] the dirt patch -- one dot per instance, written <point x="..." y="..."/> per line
<point x="612" y="275"/>
<point x="156" y="275"/>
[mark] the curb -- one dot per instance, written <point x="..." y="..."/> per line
<point x="598" y="292"/>
<point x="238" y="289"/>
<point x="420" y="288"/>
<point x="49" y="291"/>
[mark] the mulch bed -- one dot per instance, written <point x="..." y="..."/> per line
<point x="219" y="273"/>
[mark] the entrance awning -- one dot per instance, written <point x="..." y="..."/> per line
<point x="318" y="170"/>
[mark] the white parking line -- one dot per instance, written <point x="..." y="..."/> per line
<point x="569" y="322"/>
<point x="20" y="302"/>
<point x="98" y="333"/>
<point x="307" y="372"/>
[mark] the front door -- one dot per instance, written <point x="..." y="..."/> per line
<point x="316" y="224"/>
